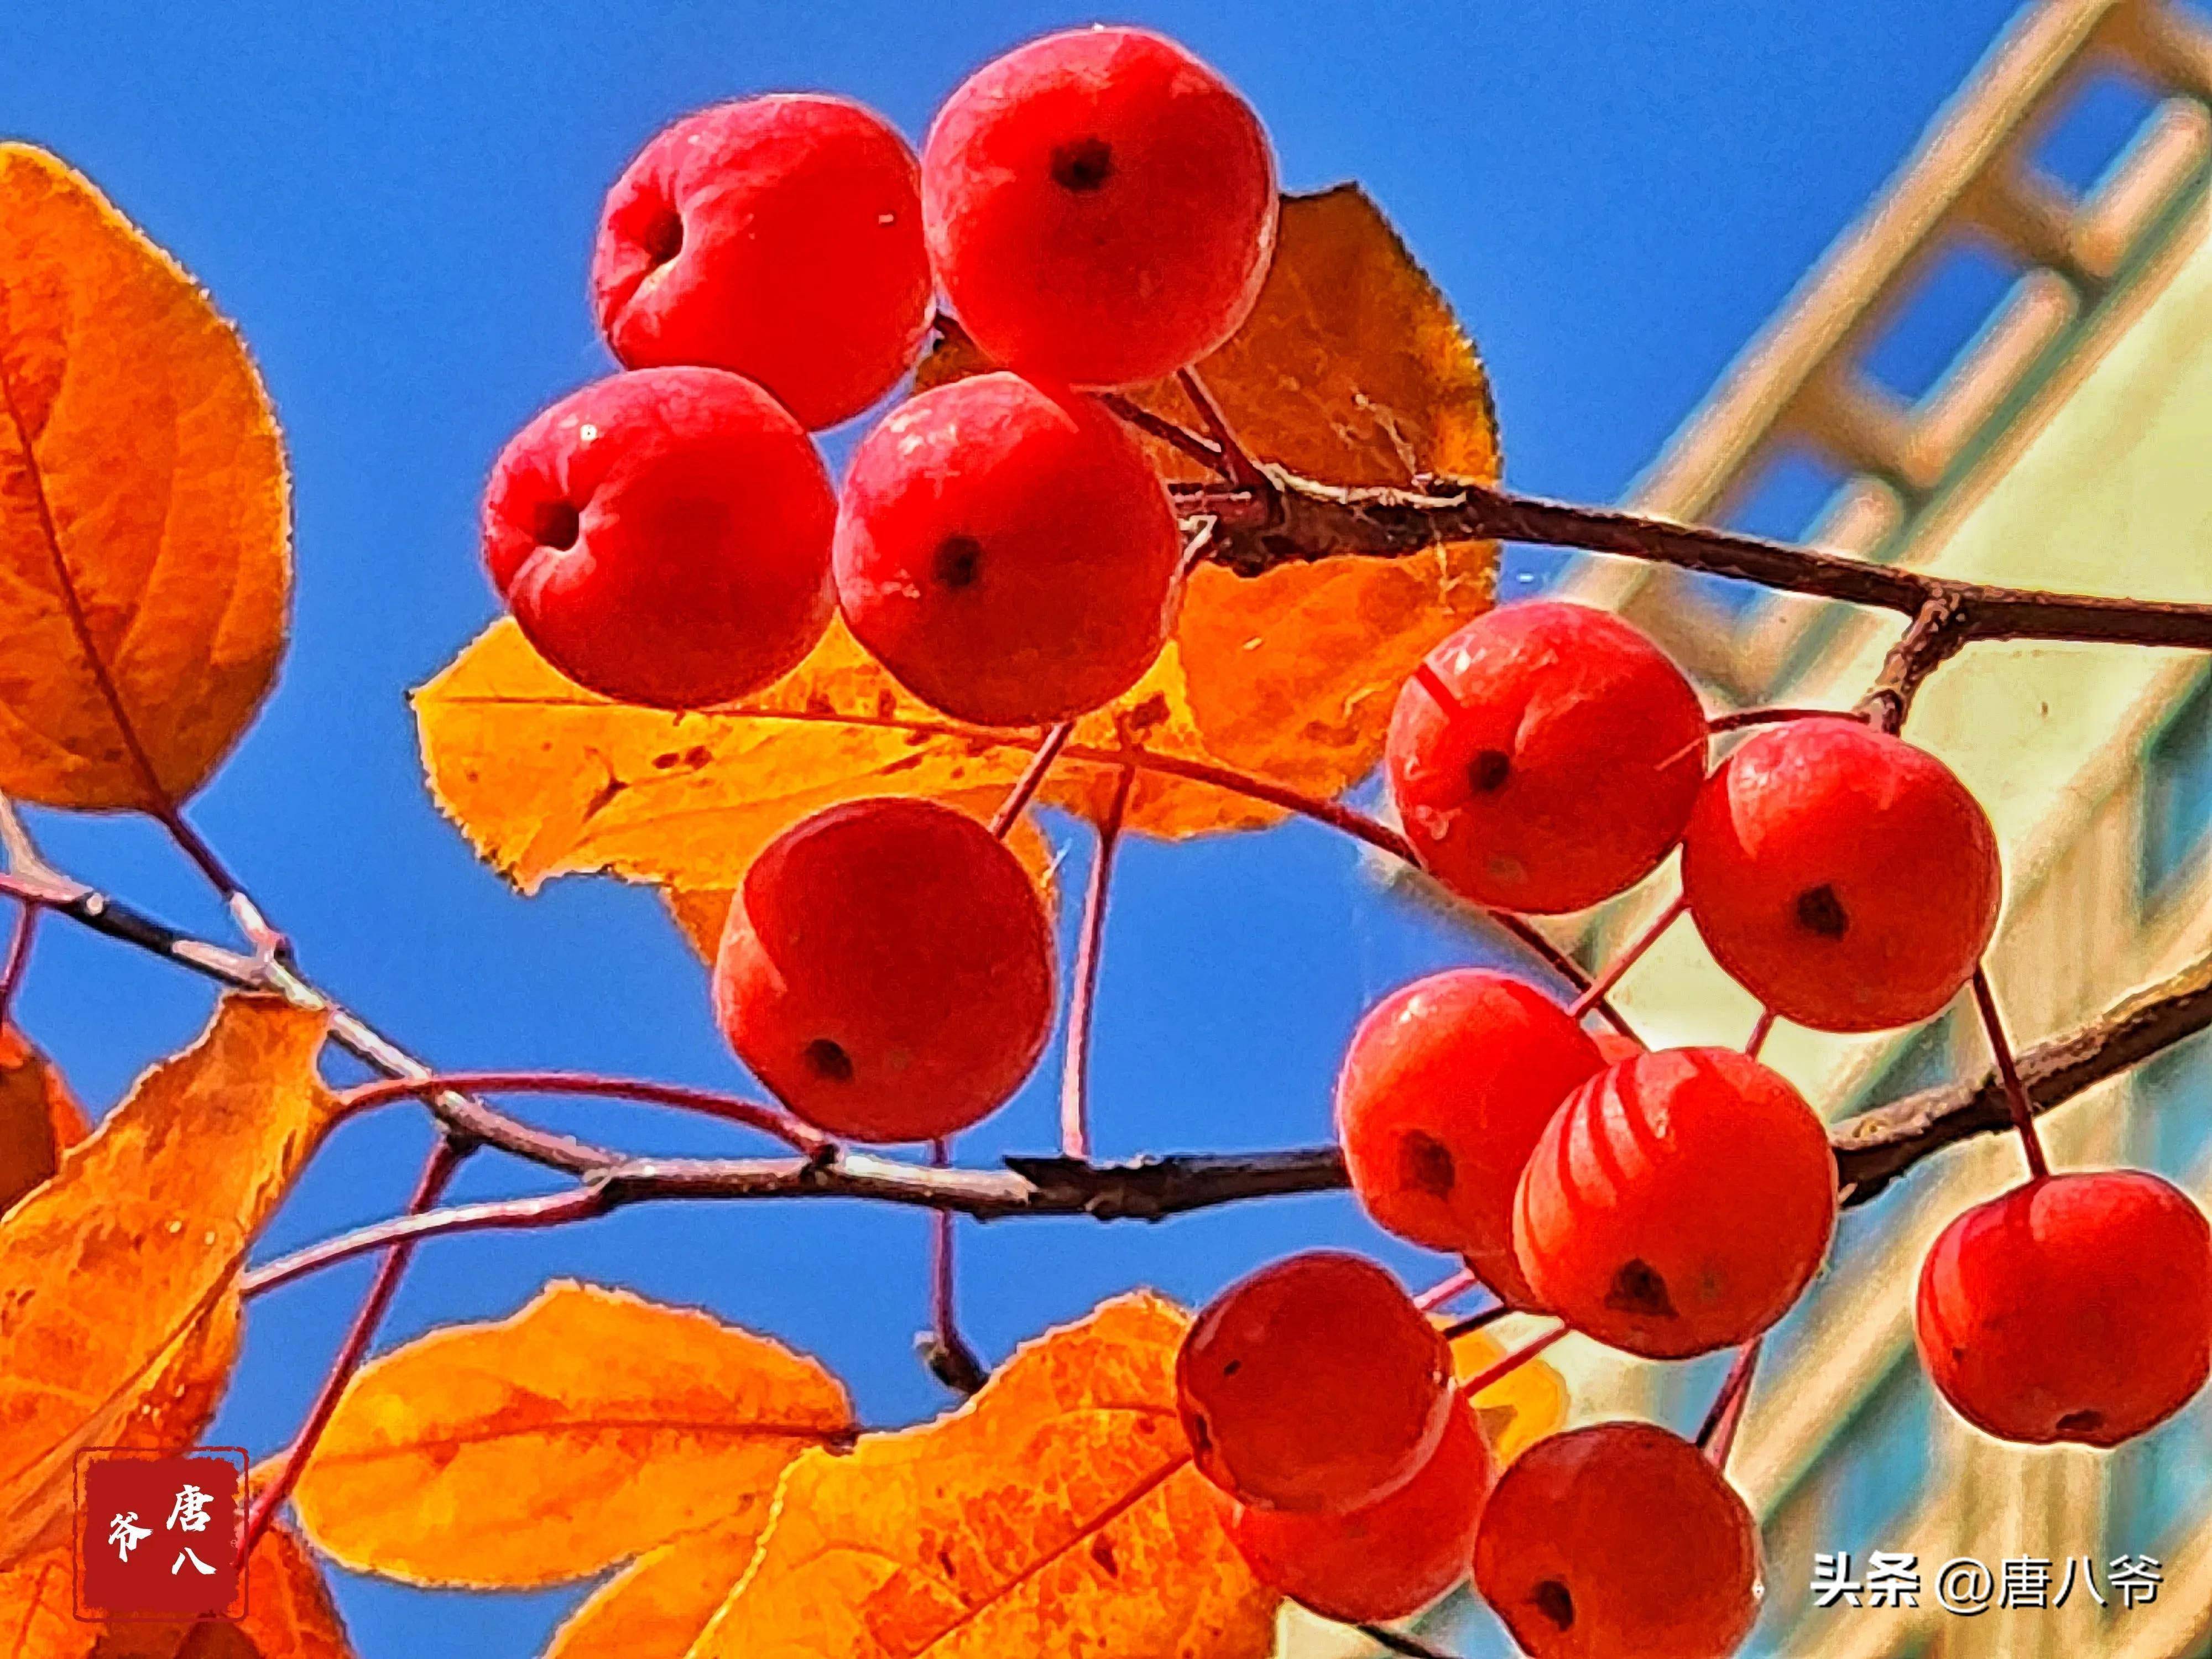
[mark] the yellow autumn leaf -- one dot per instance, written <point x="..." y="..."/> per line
<point x="1057" y="1512"/>
<point x="1520" y="1408"/>
<point x="589" y="1426"/>
<point x="145" y="564"/>
<point x="655" y="1608"/>
<point x="119" y="1268"/>
<point x="288" y="1614"/>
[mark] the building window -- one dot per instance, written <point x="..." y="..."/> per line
<point x="2161" y="1484"/>
<point x="2173" y="1111"/>
<point x="1859" y="1496"/>
<point x="2178" y="791"/>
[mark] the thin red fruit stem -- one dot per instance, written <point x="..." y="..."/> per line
<point x="549" y="1210"/>
<point x="2023" y="1110"/>
<point x="1447" y="1291"/>
<point x="1082" y="1005"/>
<point x="1237" y="461"/>
<point x="446" y="1156"/>
<point x="1512" y="1362"/>
<point x="1743" y="717"/>
<point x="767" y="1119"/>
<point x="19" y="955"/>
<point x="1758" y="1033"/>
<point x="1623" y="961"/>
<point x="1475" y="1321"/>
<point x="1716" y="1435"/>
<point x="954" y="1362"/>
<point x="1159" y="426"/>
<point x="1032" y="778"/>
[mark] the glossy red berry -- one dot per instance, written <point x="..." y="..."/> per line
<point x="1619" y="1539"/>
<point x="1386" y="1559"/>
<point x="1447" y="1086"/>
<point x="1677" y="1203"/>
<point x="663" y="537"/>
<point x="2076" y="1307"/>
<point x="1313" y="1383"/>
<point x="1007" y="551"/>
<point x="887" y="970"/>
<point x="1544" y="756"/>
<point x="1842" y="876"/>
<point x="778" y="237"/>
<point x="1101" y="207"/>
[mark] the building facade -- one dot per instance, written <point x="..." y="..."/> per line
<point x="2065" y="443"/>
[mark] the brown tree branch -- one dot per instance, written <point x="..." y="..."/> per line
<point x="1295" y="520"/>
<point x="1872" y="1150"/>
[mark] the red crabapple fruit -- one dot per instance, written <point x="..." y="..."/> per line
<point x="663" y="537"/>
<point x="1100" y="207"/>
<point x="1386" y="1559"/>
<point x="777" y="237"/>
<point x="1842" y="876"/>
<point x="1678" y="1202"/>
<point x="2075" y="1307"/>
<point x="1447" y="1086"/>
<point x="1313" y="1383"/>
<point x="1619" y="1539"/>
<point x="887" y="970"/>
<point x="1007" y="551"/>
<point x="1544" y="756"/>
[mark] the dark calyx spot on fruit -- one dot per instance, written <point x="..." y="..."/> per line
<point x="1820" y="910"/>
<point x="1639" y="1289"/>
<point x="959" y="560"/>
<point x="663" y="238"/>
<point x="828" y="1060"/>
<point x="1201" y="1440"/>
<point x="1232" y="1368"/>
<point x="2077" y="1423"/>
<point x="558" y="525"/>
<point x="1486" y="773"/>
<point x="1082" y="165"/>
<point x="1425" y="1163"/>
<point x="1555" y="1602"/>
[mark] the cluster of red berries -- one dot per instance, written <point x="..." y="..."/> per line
<point x="1100" y="209"/>
<point x="1669" y="1203"/>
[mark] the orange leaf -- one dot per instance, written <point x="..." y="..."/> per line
<point x="145" y="567"/>
<point x="288" y="1614"/>
<point x="588" y="1427"/>
<point x="40" y="1119"/>
<point x="546" y="778"/>
<point x="119" y="1317"/>
<point x="1057" y="1512"/>
<point x="655" y="1608"/>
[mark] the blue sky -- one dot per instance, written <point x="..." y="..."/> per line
<point x="396" y="202"/>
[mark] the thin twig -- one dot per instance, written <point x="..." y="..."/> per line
<point x="768" y="1120"/>
<point x="1626" y="958"/>
<point x="446" y="1156"/>
<point x="1447" y="1291"/>
<point x="1206" y="454"/>
<point x="1716" y="1435"/>
<point x="1475" y="1321"/>
<point x="19" y="955"/>
<point x="1511" y="1362"/>
<point x="1759" y="1033"/>
<point x="1082" y="1003"/>
<point x="1406" y="1645"/>
<point x="1236" y="460"/>
<point x="2023" y="1109"/>
<point x="1032" y="778"/>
